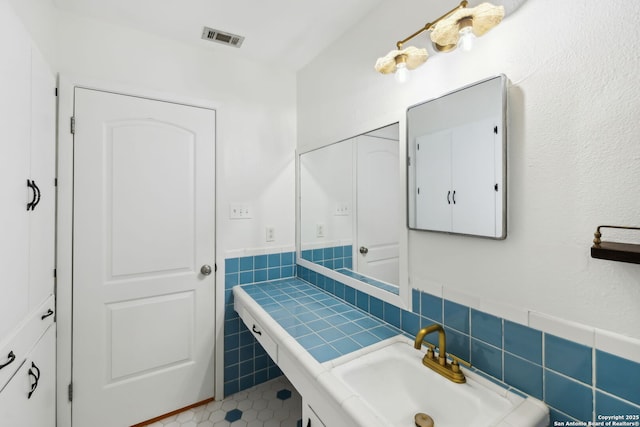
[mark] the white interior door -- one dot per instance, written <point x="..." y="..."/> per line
<point x="143" y="313"/>
<point x="378" y="210"/>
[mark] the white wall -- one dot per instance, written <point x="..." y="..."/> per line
<point x="573" y="161"/>
<point x="326" y="181"/>
<point x="255" y="117"/>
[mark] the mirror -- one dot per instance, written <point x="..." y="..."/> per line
<point x="456" y="178"/>
<point x="350" y="207"/>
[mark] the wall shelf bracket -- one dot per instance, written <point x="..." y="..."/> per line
<point x="614" y="251"/>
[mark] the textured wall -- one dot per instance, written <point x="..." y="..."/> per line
<point x="573" y="161"/>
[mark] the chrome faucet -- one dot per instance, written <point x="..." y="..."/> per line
<point x="440" y="364"/>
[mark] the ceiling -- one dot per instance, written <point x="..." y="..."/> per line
<point x="286" y="32"/>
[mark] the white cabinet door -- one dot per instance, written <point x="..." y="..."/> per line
<point x="43" y="157"/>
<point x="28" y="400"/>
<point x="473" y="178"/>
<point x="42" y="363"/>
<point x="433" y="169"/>
<point x="15" y="101"/>
<point x="14" y="408"/>
<point x="456" y="180"/>
<point x="310" y="418"/>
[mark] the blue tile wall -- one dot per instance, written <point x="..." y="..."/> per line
<point x="561" y="375"/>
<point x="618" y="376"/>
<point x="245" y="362"/>
<point x="512" y="354"/>
<point x="523" y="341"/>
<point x="333" y="257"/>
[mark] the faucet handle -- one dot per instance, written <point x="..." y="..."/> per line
<point x="430" y="350"/>
<point x="457" y="360"/>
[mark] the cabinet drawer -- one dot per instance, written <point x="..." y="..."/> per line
<point x="14" y="349"/>
<point x="28" y="399"/>
<point x="261" y="335"/>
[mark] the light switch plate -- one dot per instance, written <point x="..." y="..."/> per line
<point x="239" y="211"/>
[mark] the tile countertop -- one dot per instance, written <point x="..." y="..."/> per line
<point x="284" y="311"/>
<point x="324" y="325"/>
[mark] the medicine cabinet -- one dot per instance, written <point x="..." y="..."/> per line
<point x="456" y="173"/>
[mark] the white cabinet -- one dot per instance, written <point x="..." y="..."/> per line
<point x="260" y="334"/>
<point x="27" y="218"/>
<point x="458" y="182"/>
<point x="27" y="175"/>
<point x="28" y="399"/>
<point x="42" y="172"/>
<point x="309" y="417"/>
<point x="15" y="78"/>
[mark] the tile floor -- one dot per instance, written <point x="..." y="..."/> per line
<point x="272" y="404"/>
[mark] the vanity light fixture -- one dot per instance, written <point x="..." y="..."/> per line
<point x="456" y="28"/>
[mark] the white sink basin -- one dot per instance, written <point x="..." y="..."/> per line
<point x="391" y="379"/>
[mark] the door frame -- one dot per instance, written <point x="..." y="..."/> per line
<point x="64" y="232"/>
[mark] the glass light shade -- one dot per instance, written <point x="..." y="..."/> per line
<point x="467" y="38"/>
<point x="402" y="73"/>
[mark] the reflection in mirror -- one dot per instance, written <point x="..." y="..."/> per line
<point x="457" y="174"/>
<point x="350" y="207"/>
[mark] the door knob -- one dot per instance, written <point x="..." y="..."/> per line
<point x="205" y="270"/>
<point x="364" y="250"/>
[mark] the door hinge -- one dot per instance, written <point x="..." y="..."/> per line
<point x="56" y="91"/>
<point x="408" y="161"/>
<point x="495" y="130"/>
<point x="215" y="267"/>
<point x="55" y="273"/>
<point x="73" y="125"/>
<point x="70" y="392"/>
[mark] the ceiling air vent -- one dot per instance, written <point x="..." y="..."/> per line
<point x="222" y="37"/>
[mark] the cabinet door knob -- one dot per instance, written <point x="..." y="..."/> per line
<point x="11" y="358"/>
<point x="449" y="197"/>
<point x="255" y="330"/>
<point x="205" y="270"/>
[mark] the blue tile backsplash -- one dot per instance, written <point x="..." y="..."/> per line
<point x="577" y="382"/>
<point x="568" y="358"/>
<point x="333" y="257"/>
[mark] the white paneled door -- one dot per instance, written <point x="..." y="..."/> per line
<point x="143" y="242"/>
<point x="378" y="208"/>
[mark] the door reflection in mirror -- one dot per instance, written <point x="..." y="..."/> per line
<point x="350" y="207"/>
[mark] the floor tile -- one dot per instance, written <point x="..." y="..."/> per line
<point x="274" y="403"/>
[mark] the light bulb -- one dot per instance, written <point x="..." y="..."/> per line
<point x="465" y="42"/>
<point x="402" y="72"/>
